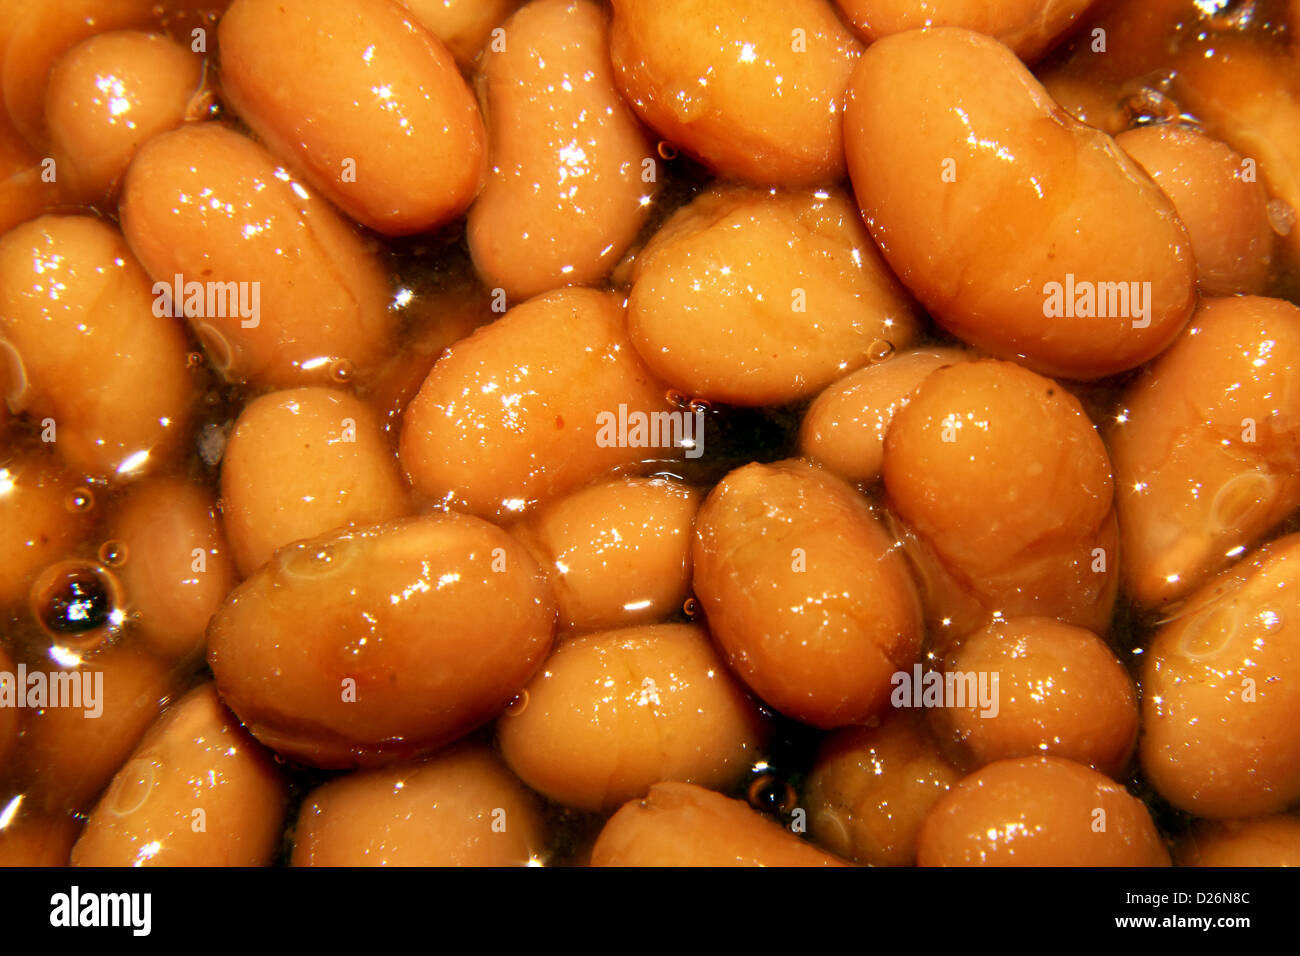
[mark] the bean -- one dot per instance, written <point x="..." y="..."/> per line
<point x="1259" y="841"/>
<point x="198" y="791"/>
<point x="8" y="715"/>
<point x="36" y="839"/>
<point x="1021" y="230"/>
<point x="805" y="592"/>
<point x="759" y="298"/>
<point x="39" y="522"/>
<point x="389" y="133"/>
<point x="365" y="647"/>
<point x="463" y="26"/>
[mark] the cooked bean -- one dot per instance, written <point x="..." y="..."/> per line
<point x="611" y="714"/>
<point x="567" y="190"/>
<point x="389" y="132"/>
<point x="198" y="791"/>
<point x="463" y="26"/>
<point x="34" y="838"/>
<point x="303" y="462"/>
<point x="618" y="553"/>
<point x="277" y="286"/>
<point x="1221" y="692"/>
<point x="872" y="786"/>
<point x="365" y="647"/>
<point x="1005" y="490"/>
<point x="462" y="808"/>
<point x="1039" y="811"/>
<point x="8" y="715"/>
<point x="1021" y="230"/>
<point x="680" y="824"/>
<point x="517" y="413"/>
<point x="39" y="522"/>
<point x="759" y="298"/>
<point x="753" y="90"/>
<point x="1260" y="841"/>
<point x="805" y="592"/>
<point x="1207" y="446"/>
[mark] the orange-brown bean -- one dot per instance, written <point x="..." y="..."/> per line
<point x="38" y="521"/>
<point x="1221" y="692"/>
<point x="568" y="187"/>
<point x="805" y="592"/>
<point x="302" y="462"/>
<point x="1039" y="811"/>
<point x="198" y="791"/>
<point x="461" y="808"/>
<point x="990" y="203"/>
<point x="1006" y="495"/>
<point x="613" y="713"/>
<point x="1259" y="841"/>
<point x="34" y="838"/>
<point x="1207" y="446"/>
<point x="389" y="132"/>
<point x="463" y="26"/>
<point x="754" y="90"/>
<point x="8" y="715"/>
<point x="680" y="824"/>
<point x="364" y="647"/>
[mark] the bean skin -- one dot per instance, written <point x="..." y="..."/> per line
<point x="464" y="26"/>
<point x="36" y="838"/>
<point x="1259" y="841"/>
<point x="390" y="133"/>
<point x="992" y="248"/>
<point x="680" y="824"/>
<point x="1207" y="446"/>
<point x="327" y="654"/>
<point x="566" y="192"/>
<point x="773" y="71"/>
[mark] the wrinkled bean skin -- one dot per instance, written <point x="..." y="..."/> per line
<point x="1221" y="692"/>
<point x="76" y="312"/>
<point x="392" y="104"/>
<point x="211" y="205"/>
<point x="1039" y="811"/>
<point x="566" y="192"/>
<point x="805" y="592"/>
<point x="613" y="713"/>
<point x="1207" y="446"/>
<point x="980" y="240"/>
<point x="508" y="417"/>
<point x="680" y="824"/>
<point x="328" y="655"/>
<point x="461" y="808"/>
<point x="196" y="757"/>
<point x="752" y="297"/>
<point x="1005" y="493"/>
<point x="1260" y="841"/>
<point x="775" y="71"/>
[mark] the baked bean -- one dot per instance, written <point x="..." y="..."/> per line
<point x="39" y="522"/>
<point x="1059" y="690"/>
<point x="389" y="133"/>
<point x="1005" y="490"/>
<point x="1260" y="841"/>
<point x="1221" y="692"/>
<point x="462" y="808"/>
<point x="754" y="90"/>
<point x="1039" y="811"/>
<point x="1029" y="27"/>
<point x="300" y="463"/>
<point x="107" y="96"/>
<point x="517" y="412"/>
<point x="610" y="714"/>
<point x="680" y="824"/>
<point x="1207" y="446"/>
<point x="213" y="207"/>
<point x="198" y="791"/>
<point x="76" y="317"/>
<point x="844" y="428"/>
<point x="173" y="563"/>
<point x="66" y="757"/>
<point x="805" y="592"/>
<point x="618" y="553"/>
<point x="27" y="188"/>
<point x="33" y="838"/>
<point x="328" y="656"/>
<point x="463" y="26"/>
<point x="872" y="786"/>
<point x="1219" y="200"/>
<point x="567" y="189"/>
<point x="1021" y="230"/>
<point x="8" y="715"/>
<point x="760" y="298"/>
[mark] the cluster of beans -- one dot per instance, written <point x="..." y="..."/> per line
<point x="985" y="313"/>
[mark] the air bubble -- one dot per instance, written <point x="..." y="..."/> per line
<point x="112" y="554"/>
<point x="340" y="371"/>
<point x="81" y="500"/>
<point x="518" y="705"/>
<point x="78" y="602"/>
<point x="770" y="794"/>
<point x="880" y="350"/>
<point x="691" y="607"/>
<point x="666" y="150"/>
